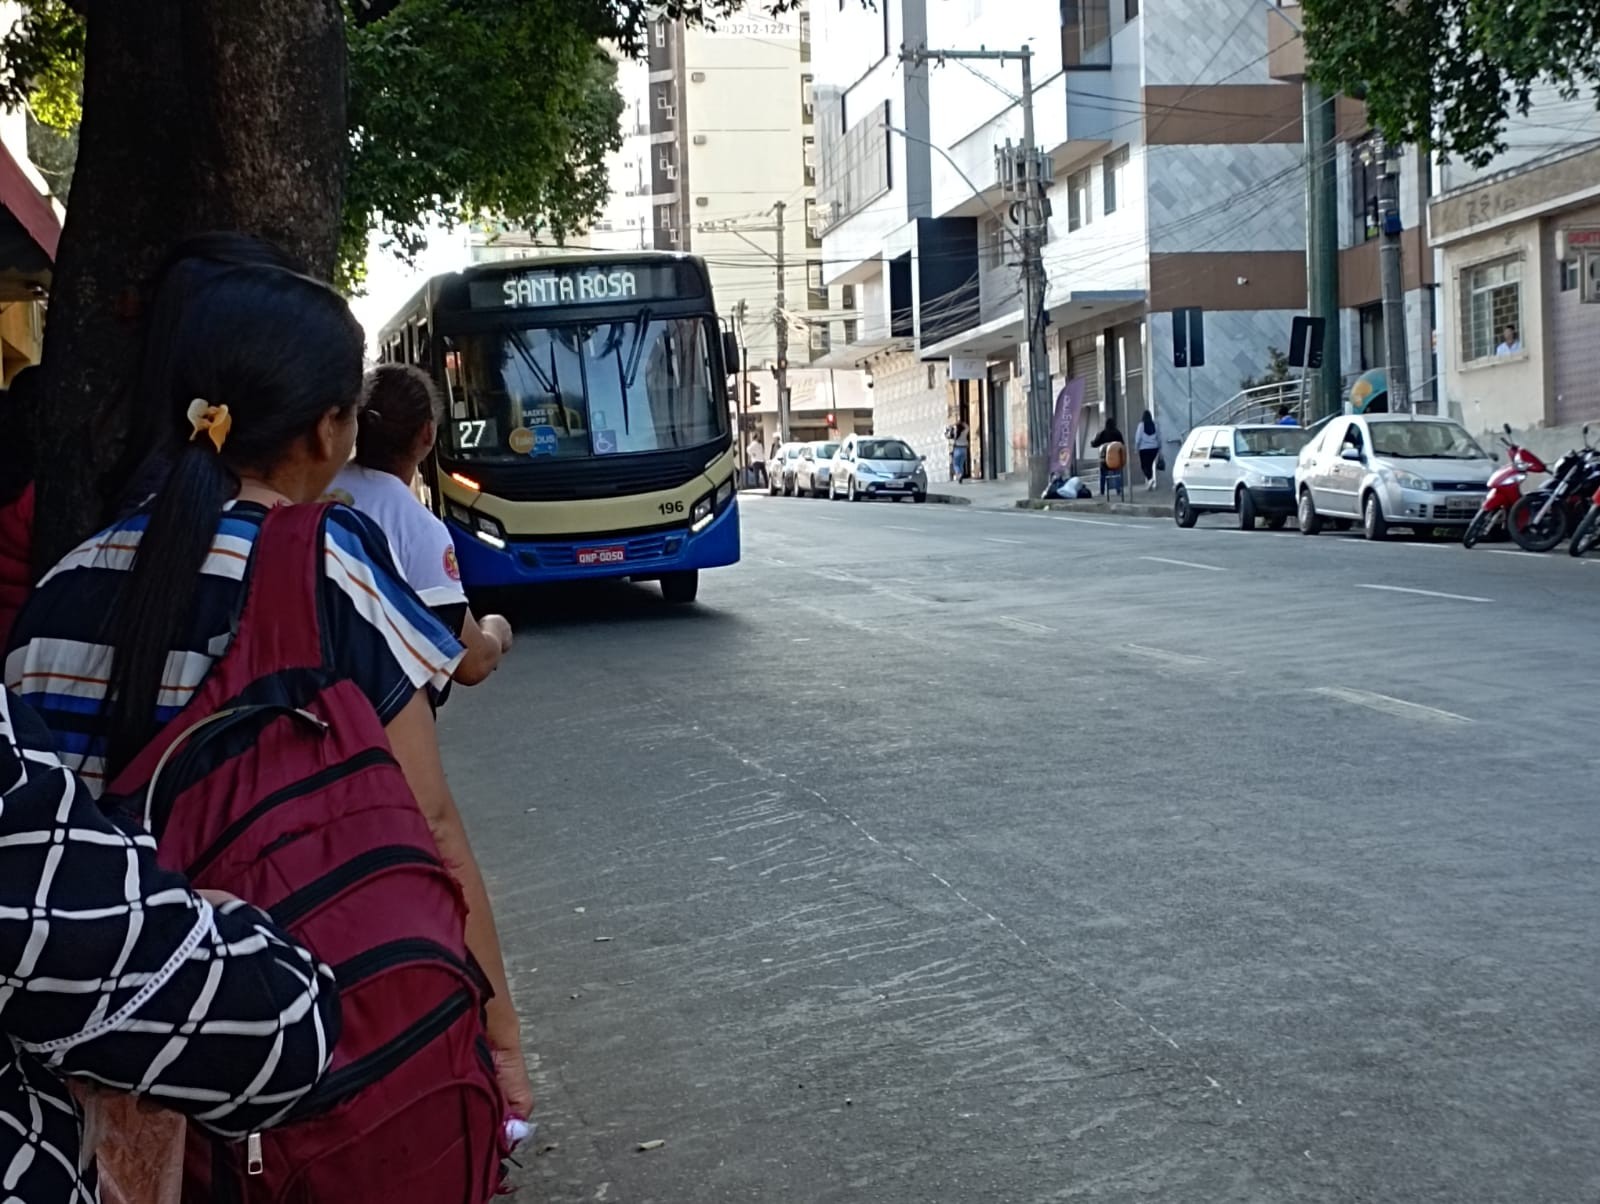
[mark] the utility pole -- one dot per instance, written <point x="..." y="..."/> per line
<point x="1397" y="367"/>
<point x="780" y="319"/>
<point x="1322" y="242"/>
<point x="1026" y="173"/>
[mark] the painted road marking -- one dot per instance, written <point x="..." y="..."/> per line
<point x="913" y="530"/>
<point x="1096" y="522"/>
<point x="1023" y="625"/>
<point x="1185" y="564"/>
<point x="1388" y="705"/>
<point x="997" y="539"/>
<point x="1171" y="658"/>
<point x="1426" y="593"/>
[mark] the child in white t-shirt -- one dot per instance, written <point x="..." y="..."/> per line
<point x="399" y="420"/>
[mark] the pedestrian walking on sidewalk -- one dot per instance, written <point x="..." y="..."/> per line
<point x="1148" y="441"/>
<point x="398" y="425"/>
<point x="127" y="646"/>
<point x="960" y="451"/>
<point x="755" y="463"/>
<point x="1113" y="455"/>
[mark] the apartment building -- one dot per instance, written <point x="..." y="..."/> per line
<point x="1518" y="250"/>
<point x="732" y="116"/>
<point x="1179" y="172"/>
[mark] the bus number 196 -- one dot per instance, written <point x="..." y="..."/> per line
<point x="671" y="507"/>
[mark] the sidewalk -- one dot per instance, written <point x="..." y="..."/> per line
<point x="1012" y="494"/>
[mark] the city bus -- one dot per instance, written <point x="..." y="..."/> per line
<point x="586" y="431"/>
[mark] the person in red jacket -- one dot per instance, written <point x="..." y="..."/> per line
<point x="16" y="500"/>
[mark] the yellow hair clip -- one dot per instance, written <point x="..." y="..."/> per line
<point x="213" y="421"/>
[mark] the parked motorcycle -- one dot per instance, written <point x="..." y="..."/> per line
<point x="1505" y="488"/>
<point x="1541" y="520"/>
<point x="1587" y="537"/>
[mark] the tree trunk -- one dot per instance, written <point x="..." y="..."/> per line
<point x="197" y="116"/>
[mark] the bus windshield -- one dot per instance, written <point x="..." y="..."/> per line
<point x="639" y="384"/>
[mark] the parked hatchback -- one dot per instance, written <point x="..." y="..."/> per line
<point x="1391" y="470"/>
<point x="780" y="469"/>
<point x="867" y="466"/>
<point x="1242" y="470"/>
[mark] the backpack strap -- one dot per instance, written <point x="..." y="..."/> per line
<point x="281" y="624"/>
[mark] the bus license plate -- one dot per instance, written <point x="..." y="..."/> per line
<point x="614" y="554"/>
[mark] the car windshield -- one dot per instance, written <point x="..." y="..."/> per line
<point x="1270" y="441"/>
<point x="791" y="453"/>
<point x="884" y="449"/>
<point x="1424" y="441"/>
<point x="826" y="451"/>
<point x="584" y="389"/>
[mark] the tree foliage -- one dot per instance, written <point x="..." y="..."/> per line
<point x="458" y="108"/>
<point x="1448" y="74"/>
<point x="1277" y="371"/>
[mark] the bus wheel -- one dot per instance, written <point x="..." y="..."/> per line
<point x="680" y="589"/>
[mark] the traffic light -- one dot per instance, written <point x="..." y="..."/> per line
<point x="755" y="395"/>
<point x="833" y="423"/>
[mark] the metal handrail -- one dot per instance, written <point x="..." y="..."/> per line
<point x="1261" y="400"/>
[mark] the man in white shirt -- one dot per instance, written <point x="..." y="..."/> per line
<point x="755" y="463"/>
<point x="1510" y="344"/>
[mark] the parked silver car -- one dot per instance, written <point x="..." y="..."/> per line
<point x="1391" y="470"/>
<point x="814" y="468"/>
<point x="867" y="466"/>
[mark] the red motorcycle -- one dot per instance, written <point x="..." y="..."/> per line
<point x="1505" y="490"/>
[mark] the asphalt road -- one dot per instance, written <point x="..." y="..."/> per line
<point x="943" y="854"/>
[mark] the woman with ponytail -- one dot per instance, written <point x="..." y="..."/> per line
<point x="252" y="375"/>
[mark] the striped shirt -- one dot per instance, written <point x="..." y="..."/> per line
<point x="382" y="636"/>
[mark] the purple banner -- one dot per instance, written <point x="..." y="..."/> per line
<point x="1064" y="432"/>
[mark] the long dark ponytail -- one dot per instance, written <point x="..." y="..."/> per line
<point x="280" y="350"/>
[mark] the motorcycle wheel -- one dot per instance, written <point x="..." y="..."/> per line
<point x="1476" y="529"/>
<point x="1547" y="534"/>
<point x="1587" y="536"/>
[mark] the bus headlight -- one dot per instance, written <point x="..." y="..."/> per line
<point x="724" y="492"/>
<point x="702" y="514"/>
<point x="490" y="531"/>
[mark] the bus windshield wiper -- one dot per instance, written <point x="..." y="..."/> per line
<point x="637" y="351"/>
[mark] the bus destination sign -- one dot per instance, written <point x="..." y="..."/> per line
<point x="541" y="288"/>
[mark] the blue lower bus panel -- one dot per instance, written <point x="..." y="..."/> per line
<point x="532" y="561"/>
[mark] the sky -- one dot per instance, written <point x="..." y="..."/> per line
<point x="391" y="282"/>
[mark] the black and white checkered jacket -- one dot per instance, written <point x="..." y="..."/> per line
<point x="112" y="971"/>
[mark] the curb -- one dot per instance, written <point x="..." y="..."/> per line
<point x="948" y="499"/>
<point x="1133" y="509"/>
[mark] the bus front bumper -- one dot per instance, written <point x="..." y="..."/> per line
<point x="531" y="560"/>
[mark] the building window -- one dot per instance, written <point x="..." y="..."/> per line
<point x="1491" y="308"/>
<point x="1078" y="203"/>
<point x="1365" y="170"/>
<point x="1373" y="347"/>
<point x="991" y="245"/>
<point x="808" y="99"/>
<point x="1569" y="275"/>
<point x="805" y="37"/>
<point x="1116" y="174"/>
<point x="1085" y="33"/>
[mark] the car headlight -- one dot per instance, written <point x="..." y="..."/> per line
<point x="1260" y="480"/>
<point x="1406" y="481"/>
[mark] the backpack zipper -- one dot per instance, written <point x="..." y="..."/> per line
<point x="371" y="962"/>
<point x="178" y="762"/>
<point x="382" y="1062"/>
<point x="297" y="904"/>
<point x="317" y="781"/>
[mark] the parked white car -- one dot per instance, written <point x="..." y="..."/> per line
<point x="868" y="466"/>
<point x="780" y="469"/>
<point x="1242" y="470"/>
<point x="814" y="469"/>
<point x="1391" y="470"/>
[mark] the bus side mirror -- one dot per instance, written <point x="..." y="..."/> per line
<point x="730" y="352"/>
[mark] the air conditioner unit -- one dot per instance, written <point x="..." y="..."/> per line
<point x="698" y="77"/>
<point x="700" y="139"/>
<point x="702" y="201"/>
<point x="811" y="154"/>
<point x="808" y="94"/>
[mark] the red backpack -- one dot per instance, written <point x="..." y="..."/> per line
<point x="277" y="784"/>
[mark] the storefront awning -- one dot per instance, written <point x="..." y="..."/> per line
<point x="29" y="233"/>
